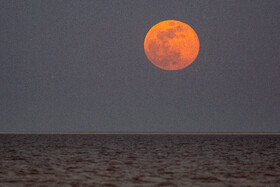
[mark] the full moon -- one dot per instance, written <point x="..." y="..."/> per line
<point x="171" y="45"/>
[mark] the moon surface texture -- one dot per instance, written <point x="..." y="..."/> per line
<point x="171" y="45"/>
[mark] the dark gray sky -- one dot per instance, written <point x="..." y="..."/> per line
<point x="81" y="65"/>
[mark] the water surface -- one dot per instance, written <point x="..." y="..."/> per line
<point x="139" y="160"/>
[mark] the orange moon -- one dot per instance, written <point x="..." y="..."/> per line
<point x="171" y="45"/>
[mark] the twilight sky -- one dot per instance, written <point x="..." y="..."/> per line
<point x="81" y="66"/>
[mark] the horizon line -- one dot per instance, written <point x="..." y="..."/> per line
<point x="141" y="132"/>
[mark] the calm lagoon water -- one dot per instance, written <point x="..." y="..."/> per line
<point x="139" y="160"/>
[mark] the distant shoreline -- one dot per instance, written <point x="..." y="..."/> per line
<point x="139" y="133"/>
